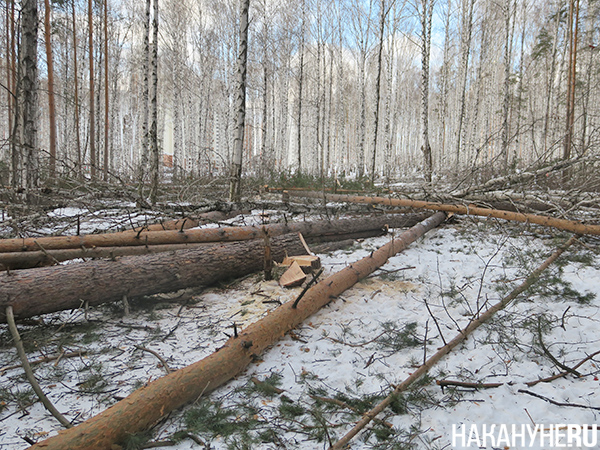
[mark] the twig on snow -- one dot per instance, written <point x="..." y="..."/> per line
<point x="160" y="358"/>
<point x="554" y="402"/>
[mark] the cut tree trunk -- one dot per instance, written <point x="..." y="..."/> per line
<point x="560" y="224"/>
<point x="49" y="289"/>
<point x="144" y="407"/>
<point x="317" y="228"/>
<point x="28" y="260"/>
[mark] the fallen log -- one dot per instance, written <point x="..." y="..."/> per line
<point x="223" y="234"/>
<point x="188" y="222"/>
<point x="48" y="289"/>
<point x="471" y="210"/>
<point x="29" y="259"/>
<point x="144" y="407"/>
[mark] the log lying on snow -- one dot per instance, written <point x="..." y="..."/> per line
<point x="561" y="224"/>
<point x="27" y="260"/>
<point x="144" y="407"/>
<point x="49" y="289"/>
<point x="308" y="229"/>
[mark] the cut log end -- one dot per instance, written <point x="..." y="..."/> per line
<point x="308" y="263"/>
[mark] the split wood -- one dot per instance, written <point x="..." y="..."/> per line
<point x="463" y="334"/>
<point x="472" y="210"/>
<point x="29" y="372"/>
<point x="145" y="406"/>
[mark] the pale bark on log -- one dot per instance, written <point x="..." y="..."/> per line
<point x="316" y="228"/>
<point x="471" y="210"/>
<point x="147" y="405"/>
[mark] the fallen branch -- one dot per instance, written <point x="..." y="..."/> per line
<point x="518" y="178"/>
<point x="160" y="358"/>
<point x="46" y="359"/>
<point x="561" y="224"/>
<point x="565" y="373"/>
<point x="145" y="406"/>
<point x="341" y="404"/>
<point x="463" y="334"/>
<point x="551" y="356"/>
<point x="554" y="402"/>
<point x="466" y="384"/>
<point x="29" y="372"/>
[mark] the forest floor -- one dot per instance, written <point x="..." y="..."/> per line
<point x="310" y="388"/>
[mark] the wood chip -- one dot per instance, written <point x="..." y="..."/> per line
<point x="294" y="276"/>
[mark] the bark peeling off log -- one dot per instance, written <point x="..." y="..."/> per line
<point x="145" y="406"/>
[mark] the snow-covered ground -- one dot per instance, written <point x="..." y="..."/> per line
<point x="352" y="352"/>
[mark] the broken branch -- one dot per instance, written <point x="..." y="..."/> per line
<point x="29" y="372"/>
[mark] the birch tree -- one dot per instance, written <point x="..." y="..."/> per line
<point x="25" y="137"/>
<point x="382" y="16"/>
<point x="92" y="133"/>
<point x="235" y="183"/>
<point x="143" y="161"/>
<point x="466" y="31"/>
<point x="153" y="133"/>
<point x="426" y="15"/>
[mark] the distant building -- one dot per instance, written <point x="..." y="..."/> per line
<point x="167" y="160"/>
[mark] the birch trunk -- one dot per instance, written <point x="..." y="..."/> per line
<point x="92" y="133"/>
<point x="235" y="184"/>
<point x="153" y="134"/>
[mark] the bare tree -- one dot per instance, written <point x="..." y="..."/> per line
<point x="92" y="135"/>
<point x="508" y="38"/>
<point x="76" y="93"/>
<point x="24" y="139"/>
<point x="235" y="186"/>
<point x="143" y="161"/>
<point x="382" y="16"/>
<point x="301" y="85"/>
<point x="153" y="133"/>
<point x="106" y="93"/>
<point x="465" y="42"/>
<point x="572" y="36"/>
<point x="426" y="15"/>
<point x="51" y="100"/>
